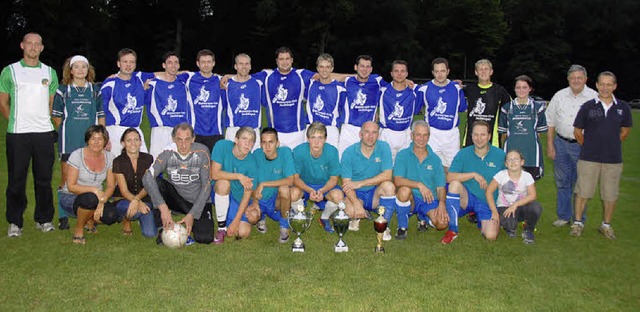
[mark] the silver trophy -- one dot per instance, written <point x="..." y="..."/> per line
<point x="341" y="225"/>
<point x="299" y="221"/>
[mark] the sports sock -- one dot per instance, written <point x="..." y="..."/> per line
<point x="606" y="224"/>
<point x="329" y="209"/>
<point x="222" y="207"/>
<point x="389" y="203"/>
<point x="453" y="204"/>
<point x="403" y="213"/>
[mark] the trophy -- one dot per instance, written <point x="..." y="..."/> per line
<point x="341" y="224"/>
<point x="299" y="221"/>
<point x="380" y="225"/>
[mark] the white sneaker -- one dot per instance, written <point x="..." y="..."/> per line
<point x="560" y="223"/>
<point x="387" y="235"/>
<point x="354" y="225"/>
<point x="262" y="226"/>
<point x="14" y="231"/>
<point x="45" y="227"/>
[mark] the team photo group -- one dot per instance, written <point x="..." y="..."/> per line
<point x="334" y="142"/>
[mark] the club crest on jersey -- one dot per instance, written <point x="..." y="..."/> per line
<point x="377" y="159"/>
<point x="132" y="102"/>
<point x="360" y="100"/>
<point x="318" y="105"/>
<point x="80" y="113"/>
<point x="171" y="106"/>
<point x="440" y="108"/>
<point x="398" y="111"/>
<point x="45" y="82"/>
<point x="619" y="112"/>
<point x="429" y="167"/>
<point x="491" y="164"/>
<point x="479" y="108"/>
<point x="203" y="96"/>
<point x="520" y="128"/>
<point x="282" y="94"/>
<point x="243" y="105"/>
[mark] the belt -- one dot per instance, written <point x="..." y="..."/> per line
<point x="567" y="139"/>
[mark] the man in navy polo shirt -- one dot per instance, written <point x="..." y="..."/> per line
<point x="600" y="127"/>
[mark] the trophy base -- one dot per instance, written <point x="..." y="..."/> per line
<point x="295" y="248"/>
<point x="379" y="249"/>
<point x="342" y="248"/>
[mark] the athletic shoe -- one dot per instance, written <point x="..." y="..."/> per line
<point x="159" y="238"/>
<point x="401" y="234"/>
<point x="449" y="237"/>
<point x="190" y="241"/>
<point x="262" y="226"/>
<point x="14" y="231"/>
<point x="45" y="227"/>
<point x="354" y="225"/>
<point x="284" y="235"/>
<point x="528" y="237"/>
<point x="387" y="235"/>
<point x="219" y="238"/>
<point x="560" y="223"/>
<point x="63" y="223"/>
<point x="576" y="229"/>
<point x="607" y="231"/>
<point x="422" y="226"/>
<point x="511" y="233"/>
<point x="327" y="225"/>
<point x="472" y="217"/>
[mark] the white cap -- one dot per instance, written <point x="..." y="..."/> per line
<point x="78" y="58"/>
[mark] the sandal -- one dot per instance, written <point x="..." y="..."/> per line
<point x="78" y="240"/>
<point x="91" y="230"/>
<point x="126" y="227"/>
<point x="127" y="233"/>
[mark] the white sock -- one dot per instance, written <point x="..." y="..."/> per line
<point x="329" y="209"/>
<point x="605" y="224"/>
<point x="222" y="207"/>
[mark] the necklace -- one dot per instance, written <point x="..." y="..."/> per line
<point x="80" y="89"/>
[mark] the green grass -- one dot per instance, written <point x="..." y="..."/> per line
<point x="558" y="273"/>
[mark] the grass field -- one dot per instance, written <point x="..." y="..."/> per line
<point x="558" y="273"/>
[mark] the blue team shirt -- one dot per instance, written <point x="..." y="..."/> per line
<point x="167" y="103"/>
<point x="316" y="170"/>
<point x="442" y="104"/>
<point x="123" y="100"/>
<point x="204" y="96"/>
<point x="357" y="167"/>
<point x="243" y="102"/>
<point x="275" y="169"/>
<point x="467" y="161"/>
<point x="223" y="155"/>
<point x="397" y="108"/>
<point x="325" y="101"/>
<point x="429" y="172"/>
<point x="284" y="98"/>
<point x="362" y="99"/>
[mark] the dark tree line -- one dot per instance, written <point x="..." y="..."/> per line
<point x="540" y="38"/>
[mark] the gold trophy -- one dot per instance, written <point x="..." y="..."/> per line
<point x="380" y="225"/>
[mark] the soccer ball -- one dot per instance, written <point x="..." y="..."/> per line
<point x="176" y="237"/>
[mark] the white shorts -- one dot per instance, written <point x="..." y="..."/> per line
<point x="445" y="143"/>
<point x="349" y="135"/>
<point x="397" y="140"/>
<point x="333" y="135"/>
<point x="160" y="138"/>
<point x="292" y="139"/>
<point x="231" y="136"/>
<point x="115" y="134"/>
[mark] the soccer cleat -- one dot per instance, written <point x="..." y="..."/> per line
<point x="560" y="223"/>
<point x="261" y="226"/>
<point x="607" y="231"/>
<point x="472" y="217"/>
<point x="45" y="227"/>
<point x="422" y="226"/>
<point x="219" y="237"/>
<point x="576" y="229"/>
<point x="14" y="231"/>
<point x="190" y="241"/>
<point x="401" y="234"/>
<point x="63" y="223"/>
<point x="528" y="237"/>
<point x="449" y="237"/>
<point x="354" y="225"/>
<point x="387" y="235"/>
<point x="327" y="225"/>
<point x="284" y="235"/>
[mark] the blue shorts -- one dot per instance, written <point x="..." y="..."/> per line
<point x="422" y="207"/>
<point x="482" y="210"/>
<point x="233" y="210"/>
<point x="268" y="207"/>
<point x="317" y="187"/>
<point x="367" y="198"/>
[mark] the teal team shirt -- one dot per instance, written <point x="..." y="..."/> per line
<point x="467" y="161"/>
<point x="316" y="170"/>
<point x="357" y="167"/>
<point x="429" y="172"/>
<point x="275" y="169"/>
<point x="222" y="154"/>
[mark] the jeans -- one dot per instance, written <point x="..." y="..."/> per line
<point x="566" y="175"/>
<point x="147" y="223"/>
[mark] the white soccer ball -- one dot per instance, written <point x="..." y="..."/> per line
<point x="176" y="237"/>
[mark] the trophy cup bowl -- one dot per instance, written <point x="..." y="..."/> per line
<point x="299" y="221"/>
<point x="380" y="225"/>
<point x="341" y="225"/>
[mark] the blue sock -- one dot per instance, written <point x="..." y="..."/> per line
<point x="403" y="214"/>
<point x="453" y="205"/>
<point x="389" y="203"/>
<point x="284" y="223"/>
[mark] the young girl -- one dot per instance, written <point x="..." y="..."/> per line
<point x="520" y="122"/>
<point x="516" y="197"/>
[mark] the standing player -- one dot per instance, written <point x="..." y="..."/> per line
<point x="484" y="100"/>
<point x="242" y="99"/>
<point x="317" y="171"/>
<point x="366" y="175"/>
<point x="167" y="105"/>
<point x="285" y="89"/>
<point x="123" y="98"/>
<point x="419" y="177"/>
<point x="397" y="107"/>
<point x="325" y="98"/>
<point x="443" y="100"/>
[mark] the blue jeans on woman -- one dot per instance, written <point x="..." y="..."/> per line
<point x="147" y="223"/>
